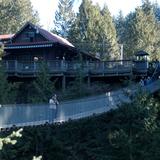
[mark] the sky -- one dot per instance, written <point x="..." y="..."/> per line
<point x="47" y="8"/>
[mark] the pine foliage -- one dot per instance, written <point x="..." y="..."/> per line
<point x="146" y="29"/>
<point x="7" y="93"/>
<point x="139" y="30"/>
<point x="109" y="35"/>
<point x="64" y="17"/>
<point x="94" y="31"/>
<point x="14" y="14"/>
<point x="42" y="88"/>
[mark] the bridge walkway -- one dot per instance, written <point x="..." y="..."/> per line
<point x="26" y="114"/>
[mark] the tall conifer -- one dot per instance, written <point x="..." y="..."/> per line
<point x="141" y="31"/>
<point x="108" y="32"/>
<point x="95" y="31"/>
<point x="64" y="17"/>
<point x="14" y="14"/>
<point x="146" y="29"/>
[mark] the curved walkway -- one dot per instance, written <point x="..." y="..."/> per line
<point x="25" y="115"/>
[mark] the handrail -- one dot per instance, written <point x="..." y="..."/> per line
<point x="71" y="62"/>
<point x="69" y="66"/>
<point x="76" y="61"/>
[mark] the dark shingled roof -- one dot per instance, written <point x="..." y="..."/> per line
<point x="48" y="35"/>
<point x="141" y="53"/>
<point x="54" y="38"/>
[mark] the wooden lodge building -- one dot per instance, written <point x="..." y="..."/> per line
<point x="31" y="45"/>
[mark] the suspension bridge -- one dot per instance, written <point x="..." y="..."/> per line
<point x="21" y="115"/>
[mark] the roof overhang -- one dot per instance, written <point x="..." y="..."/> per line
<point x="141" y="53"/>
<point x="6" y="36"/>
<point x="27" y="46"/>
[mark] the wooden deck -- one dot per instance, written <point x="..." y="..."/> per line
<point x="58" y="68"/>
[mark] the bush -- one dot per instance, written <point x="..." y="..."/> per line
<point x="75" y="91"/>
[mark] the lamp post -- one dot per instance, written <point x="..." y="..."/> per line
<point x="121" y="52"/>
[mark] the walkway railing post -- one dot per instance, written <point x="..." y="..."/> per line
<point x="16" y="65"/>
<point x="64" y="83"/>
<point x="87" y="66"/>
<point x="7" y="66"/>
<point x="117" y="67"/>
<point x="62" y="67"/>
<point x="34" y="66"/>
<point x="103" y="66"/>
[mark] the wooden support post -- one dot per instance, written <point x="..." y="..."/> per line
<point x="64" y="83"/>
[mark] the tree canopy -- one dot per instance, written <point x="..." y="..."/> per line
<point x="139" y="30"/>
<point x="94" y="31"/>
<point x="14" y="14"/>
<point x="64" y="17"/>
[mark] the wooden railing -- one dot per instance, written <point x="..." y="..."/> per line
<point x="58" y="66"/>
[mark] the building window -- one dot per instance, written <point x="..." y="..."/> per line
<point x="30" y="36"/>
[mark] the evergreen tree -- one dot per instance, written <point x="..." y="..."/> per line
<point x="4" y="85"/>
<point x="74" y="35"/>
<point x="126" y="33"/>
<point x="94" y="31"/>
<point x="89" y="22"/>
<point x="142" y="31"/>
<point x="156" y="8"/>
<point x="64" y="17"/>
<point x="14" y="14"/>
<point x="139" y="121"/>
<point x="120" y="27"/>
<point x="147" y="30"/>
<point x="7" y="90"/>
<point x="41" y="89"/>
<point x="108" y="34"/>
<point x="123" y="32"/>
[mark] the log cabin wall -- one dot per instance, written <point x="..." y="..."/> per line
<point x="29" y="34"/>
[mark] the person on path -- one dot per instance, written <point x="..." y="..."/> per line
<point x="148" y="80"/>
<point x="141" y="82"/>
<point x="53" y="103"/>
<point x="56" y="104"/>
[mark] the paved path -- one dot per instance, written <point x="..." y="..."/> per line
<point x="24" y="115"/>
